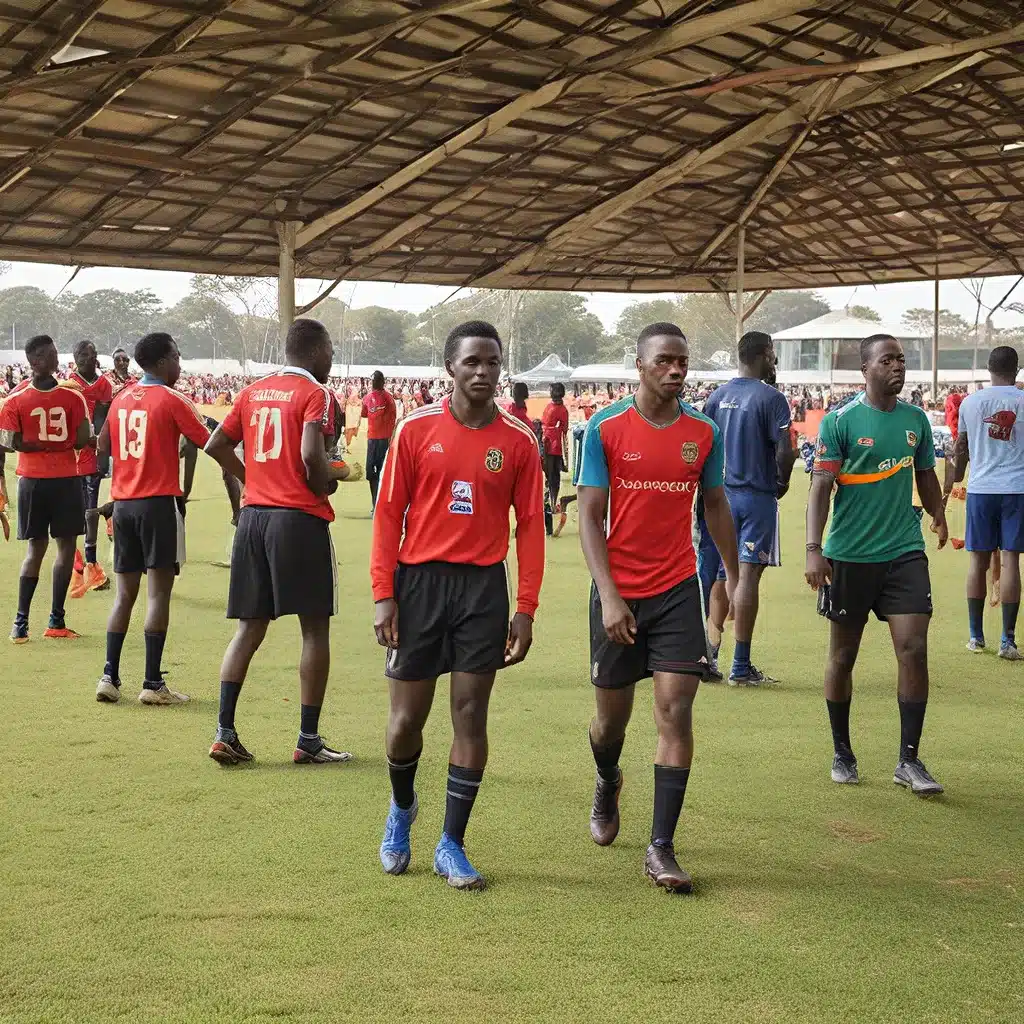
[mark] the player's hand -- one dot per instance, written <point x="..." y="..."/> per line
<point x="385" y="623"/>
<point x="940" y="528"/>
<point x="520" y="638"/>
<point x="234" y="518"/>
<point x="730" y="590"/>
<point x="817" y="571"/>
<point x="618" y="621"/>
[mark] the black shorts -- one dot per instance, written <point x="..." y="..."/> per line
<point x="149" y="533"/>
<point x="670" y="637"/>
<point x="376" y="450"/>
<point x="554" y="467"/>
<point x="282" y="563"/>
<point x="898" y="587"/>
<point x="50" y="507"/>
<point x="452" y="617"/>
<point x="91" y="490"/>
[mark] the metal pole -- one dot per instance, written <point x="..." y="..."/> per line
<point x="741" y="252"/>
<point x="286" y="277"/>
<point x="935" y="338"/>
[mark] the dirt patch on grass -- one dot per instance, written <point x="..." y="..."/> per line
<point x="853" y="832"/>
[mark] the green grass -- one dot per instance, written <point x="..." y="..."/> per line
<point x="141" y="882"/>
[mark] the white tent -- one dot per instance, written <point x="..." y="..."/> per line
<point x="547" y="371"/>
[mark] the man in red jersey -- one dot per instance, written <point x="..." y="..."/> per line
<point x="555" y="421"/>
<point x="520" y="393"/>
<point x="119" y="376"/>
<point x="141" y="435"/>
<point x="380" y="414"/>
<point x="454" y="470"/>
<point x="98" y="394"/>
<point x="46" y="424"/>
<point x="282" y="562"/>
<point x="643" y="459"/>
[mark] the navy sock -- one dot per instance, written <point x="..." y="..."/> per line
<point x="403" y="779"/>
<point x="154" y="655"/>
<point x="228" y="700"/>
<point x="309" y="722"/>
<point x="90" y="554"/>
<point x="1010" y="620"/>
<point x="463" y="784"/>
<point x="26" y="589"/>
<point x="741" y="656"/>
<point x="976" y="617"/>
<point x="61" y="582"/>
<point x="911" y="724"/>
<point x="607" y="759"/>
<point x="839" y="720"/>
<point x="669" y="792"/>
<point x="115" y="641"/>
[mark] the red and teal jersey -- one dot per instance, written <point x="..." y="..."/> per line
<point x="651" y="474"/>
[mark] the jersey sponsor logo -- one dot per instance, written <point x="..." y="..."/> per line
<point x="663" y="486"/>
<point x="631" y="457"/>
<point x="436" y="447"/>
<point x="911" y="439"/>
<point x="1001" y="425"/>
<point x="865" y="442"/>
<point x="689" y="452"/>
<point x="729" y="405"/>
<point x="138" y="394"/>
<point x="462" y="498"/>
<point x="494" y="459"/>
<point x="907" y="460"/>
<point x="749" y="545"/>
<point x="764" y="557"/>
<point x="822" y="449"/>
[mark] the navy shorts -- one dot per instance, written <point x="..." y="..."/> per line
<point x="709" y="562"/>
<point x="995" y="522"/>
<point x="756" y="516"/>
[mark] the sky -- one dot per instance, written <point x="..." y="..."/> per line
<point x="889" y="300"/>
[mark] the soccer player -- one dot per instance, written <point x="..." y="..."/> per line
<point x="98" y="393"/>
<point x="380" y="414"/>
<point x="872" y="450"/>
<point x="47" y="425"/>
<point x="555" y="422"/>
<point x="754" y="418"/>
<point x="146" y="420"/>
<point x="282" y="561"/>
<point x="988" y="434"/>
<point x="189" y="454"/>
<point x="454" y="470"/>
<point x="644" y="458"/>
<point x="520" y="393"/>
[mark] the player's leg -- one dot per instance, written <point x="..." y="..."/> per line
<point x="67" y="524"/>
<point x="553" y="475"/>
<point x="982" y="539"/>
<point x="108" y="689"/>
<point x="1011" y="543"/>
<point x="996" y="568"/>
<point x="756" y="518"/>
<point x="94" y="578"/>
<point x="28" y="575"/>
<point x="63" y="567"/>
<point x="314" y="669"/>
<point x="614" y="671"/>
<point x="227" y="748"/>
<point x="673" y="715"/>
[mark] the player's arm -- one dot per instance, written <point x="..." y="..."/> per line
<point x="828" y="460"/>
<point x="529" y="506"/>
<point x="189" y="457"/>
<point x="717" y="513"/>
<point x="221" y="448"/>
<point x="928" y="487"/>
<point x="961" y="456"/>
<point x="785" y="453"/>
<point x="393" y="497"/>
<point x="103" y="441"/>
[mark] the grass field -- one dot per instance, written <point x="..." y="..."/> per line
<point x="141" y="882"/>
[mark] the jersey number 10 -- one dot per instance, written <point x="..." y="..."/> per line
<point x="133" y="423"/>
<point x="267" y="422"/>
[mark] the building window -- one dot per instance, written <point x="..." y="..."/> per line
<point x="809" y="355"/>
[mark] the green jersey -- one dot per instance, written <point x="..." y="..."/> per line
<point x="874" y="455"/>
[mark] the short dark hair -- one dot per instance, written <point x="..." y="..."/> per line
<point x="520" y="390"/>
<point x="654" y="330"/>
<point x="152" y="348"/>
<point x="119" y="351"/>
<point x="752" y="345"/>
<point x="80" y="347"/>
<point x="1002" y="360"/>
<point x="557" y="390"/>
<point x="377" y="380"/>
<point x="867" y="344"/>
<point x="303" y="336"/>
<point x="470" y="329"/>
<point x="37" y="343"/>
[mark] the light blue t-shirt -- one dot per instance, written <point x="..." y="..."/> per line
<point x="993" y="420"/>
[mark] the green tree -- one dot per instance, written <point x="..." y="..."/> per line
<point x="375" y="334"/>
<point x="25" y="311"/>
<point x="785" y="309"/>
<point x="710" y="326"/>
<point x="864" y="313"/>
<point x="556" y="322"/>
<point x="953" y="328"/>
<point x="109" y="317"/>
<point x="205" y="328"/>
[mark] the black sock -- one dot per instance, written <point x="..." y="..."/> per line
<point x="669" y="791"/>
<point x="976" y="617"/>
<point x="839" y="719"/>
<point x="607" y="758"/>
<point x="1010" y="611"/>
<point x="90" y="554"/>
<point x="115" y="641"/>
<point x="154" y="655"/>
<point x="228" y="699"/>
<point x="463" y="784"/>
<point x="403" y="778"/>
<point x="26" y="590"/>
<point x="309" y="722"/>
<point x="61" y="582"/>
<point x="911" y="724"/>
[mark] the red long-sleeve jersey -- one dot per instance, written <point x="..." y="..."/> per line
<point x="452" y="487"/>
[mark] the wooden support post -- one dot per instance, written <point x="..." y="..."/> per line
<point x="741" y="246"/>
<point x="286" y="277"/>
<point x="935" y="336"/>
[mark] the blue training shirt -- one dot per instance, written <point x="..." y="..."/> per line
<point x="752" y="417"/>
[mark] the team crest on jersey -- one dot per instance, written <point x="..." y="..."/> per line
<point x="689" y="452"/>
<point x="866" y="442"/>
<point x="494" y="459"/>
<point x="462" y="498"/>
<point x="911" y="439"/>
